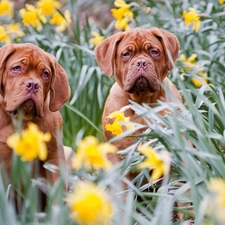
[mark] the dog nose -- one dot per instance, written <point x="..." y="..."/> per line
<point x="141" y="64"/>
<point x="31" y="85"/>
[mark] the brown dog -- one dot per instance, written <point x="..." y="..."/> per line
<point x="32" y="82"/>
<point x="140" y="61"/>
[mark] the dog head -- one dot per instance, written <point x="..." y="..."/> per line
<point x="139" y="58"/>
<point x="27" y="75"/>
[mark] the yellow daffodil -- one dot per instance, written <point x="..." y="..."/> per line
<point x="123" y="15"/>
<point x="202" y="79"/>
<point x="188" y="62"/>
<point x="123" y="12"/>
<point x="48" y="7"/>
<point x="217" y="199"/>
<point x="192" y="17"/>
<point x="91" y="154"/>
<point x="14" y="30"/>
<point x="30" y="143"/>
<point x="119" y="116"/>
<point x="61" y="22"/>
<point x="97" y="38"/>
<point x="4" y="35"/>
<point x="6" y="8"/>
<point x="32" y="17"/>
<point x="89" y="204"/>
<point x="116" y="128"/>
<point x="221" y="2"/>
<point x="158" y="162"/>
<point x="122" y="24"/>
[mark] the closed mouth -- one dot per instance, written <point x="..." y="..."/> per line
<point x="141" y="84"/>
<point x="27" y="107"/>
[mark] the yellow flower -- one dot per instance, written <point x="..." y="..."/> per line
<point x="192" y="17"/>
<point x="6" y="8"/>
<point x="32" y="17"/>
<point x="116" y="128"/>
<point x="96" y="39"/>
<point x="4" y="35"/>
<point x="89" y="204"/>
<point x="217" y="199"/>
<point x="158" y="162"/>
<point x="123" y="16"/>
<point x="119" y="116"/>
<point x="202" y="79"/>
<point x="48" y="7"/>
<point x="188" y="62"/>
<point x="92" y="154"/>
<point x="14" y="30"/>
<point x="61" y="22"/>
<point x="122" y="24"/>
<point x="221" y="2"/>
<point x="30" y="143"/>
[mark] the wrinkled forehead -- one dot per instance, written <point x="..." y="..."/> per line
<point x="29" y="56"/>
<point x="140" y="39"/>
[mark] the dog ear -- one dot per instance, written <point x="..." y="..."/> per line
<point x="170" y="44"/>
<point x="5" y="52"/>
<point x="105" y="53"/>
<point x="59" y="89"/>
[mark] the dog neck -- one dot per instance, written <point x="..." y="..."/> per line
<point x="147" y="97"/>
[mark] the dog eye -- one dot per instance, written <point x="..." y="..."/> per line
<point x="126" y="55"/>
<point x="154" y="53"/>
<point x="16" y="69"/>
<point x="45" y="75"/>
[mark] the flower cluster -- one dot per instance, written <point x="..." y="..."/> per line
<point x="122" y="14"/>
<point x="89" y="204"/>
<point x="91" y="154"/>
<point x="116" y="127"/>
<point x="10" y="31"/>
<point x="30" y="143"/>
<point x="158" y="162"/>
<point x="190" y="64"/>
<point x="45" y="10"/>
